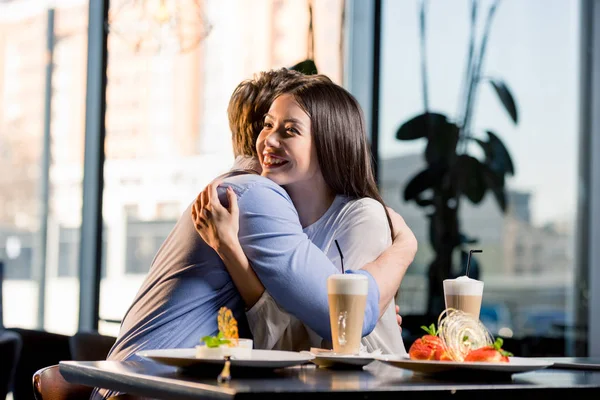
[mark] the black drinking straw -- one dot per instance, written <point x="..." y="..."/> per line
<point x="469" y="260"/>
<point x="341" y="255"/>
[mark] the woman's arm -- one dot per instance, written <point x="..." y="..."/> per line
<point x="390" y="267"/>
<point x="218" y="226"/>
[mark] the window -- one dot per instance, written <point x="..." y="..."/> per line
<point x="534" y="48"/>
<point x="167" y="129"/>
<point x="30" y="252"/>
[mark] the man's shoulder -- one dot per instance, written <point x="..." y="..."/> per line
<point x="255" y="186"/>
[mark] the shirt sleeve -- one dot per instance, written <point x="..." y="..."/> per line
<point x="293" y="270"/>
<point x="267" y="322"/>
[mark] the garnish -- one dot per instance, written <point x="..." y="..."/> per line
<point x="215" y="341"/>
<point x="498" y="346"/>
<point x="228" y="330"/>
<point x="228" y="324"/>
<point x="430" y="329"/>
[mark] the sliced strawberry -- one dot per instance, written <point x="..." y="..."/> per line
<point x="422" y="350"/>
<point x="493" y="353"/>
<point x="442" y="355"/>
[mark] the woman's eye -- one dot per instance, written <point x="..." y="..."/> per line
<point x="267" y="125"/>
<point x="293" y="130"/>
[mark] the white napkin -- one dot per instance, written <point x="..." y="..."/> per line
<point x="363" y="352"/>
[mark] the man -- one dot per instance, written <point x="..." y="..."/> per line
<point x="187" y="283"/>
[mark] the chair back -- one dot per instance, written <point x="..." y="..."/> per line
<point x="90" y="346"/>
<point x="10" y="349"/>
<point x="49" y="384"/>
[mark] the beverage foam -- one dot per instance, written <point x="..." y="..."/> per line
<point x="463" y="285"/>
<point x="351" y="284"/>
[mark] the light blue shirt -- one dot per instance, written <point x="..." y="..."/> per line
<point x="188" y="283"/>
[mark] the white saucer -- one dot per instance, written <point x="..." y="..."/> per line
<point x="330" y="359"/>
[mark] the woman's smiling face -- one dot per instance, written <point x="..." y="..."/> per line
<point x="285" y="145"/>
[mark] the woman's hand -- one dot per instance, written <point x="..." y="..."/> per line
<point x="218" y="226"/>
<point x="398" y="318"/>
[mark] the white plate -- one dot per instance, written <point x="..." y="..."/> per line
<point x="515" y="365"/>
<point x="184" y="358"/>
<point x="330" y="359"/>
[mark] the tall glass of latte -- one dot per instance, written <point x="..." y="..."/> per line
<point x="347" y="302"/>
<point x="464" y="293"/>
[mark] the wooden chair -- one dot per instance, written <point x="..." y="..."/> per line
<point x="48" y="382"/>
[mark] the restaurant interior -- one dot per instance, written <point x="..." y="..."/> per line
<point x="113" y="117"/>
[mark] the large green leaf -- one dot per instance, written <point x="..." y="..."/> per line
<point x="500" y="160"/>
<point x="506" y="98"/>
<point x="441" y="147"/>
<point x="469" y="177"/>
<point x="423" y="125"/>
<point x="307" y="67"/>
<point x="496" y="154"/>
<point x="426" y="179"/>
<point x="494" y="181"/>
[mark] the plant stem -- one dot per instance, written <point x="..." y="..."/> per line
<point x="475" y="78"/>
<point x="422" y="37"/>
<point x="469" y="65"/>
<point x="311" y="37"/>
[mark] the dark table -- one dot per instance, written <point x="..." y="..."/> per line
<point x="377" y="380"/>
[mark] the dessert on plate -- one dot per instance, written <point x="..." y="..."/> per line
<point x="459" y="337"/>
<point x="226" y="342"/>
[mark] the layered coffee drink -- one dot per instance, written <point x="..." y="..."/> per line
<point x="347" y="302"/>
<point x="464" y="293"/>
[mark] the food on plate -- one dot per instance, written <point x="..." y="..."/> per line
<point x="428" y="347"/>
<point x="227" y="341"/>
<point x="493" y="353"/>
<point x="459" y="337"/>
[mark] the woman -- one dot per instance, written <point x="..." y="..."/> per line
<point x="314" y="145"/>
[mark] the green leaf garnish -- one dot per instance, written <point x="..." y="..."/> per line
<point x="430" y="330"/>
<point x="506" y="353"/>
<point x="465" y="338"/>
<point x="215" y="341"/>
<point x="498" y="344"/>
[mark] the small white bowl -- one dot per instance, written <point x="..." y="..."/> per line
<point x="243" y="350"/>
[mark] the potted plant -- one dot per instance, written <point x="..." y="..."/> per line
<point x="452" y="172"/>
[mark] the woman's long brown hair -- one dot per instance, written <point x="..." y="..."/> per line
<point x="340" y="137"/>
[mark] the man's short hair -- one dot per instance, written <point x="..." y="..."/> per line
<point x="250" y="102"/>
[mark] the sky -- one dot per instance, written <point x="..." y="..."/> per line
<point x="534" y="48"/>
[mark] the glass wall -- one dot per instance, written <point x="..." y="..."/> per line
<point x="167" y="134"/>
<point x="39" y="245"/>
<point x="527" y="262"/>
